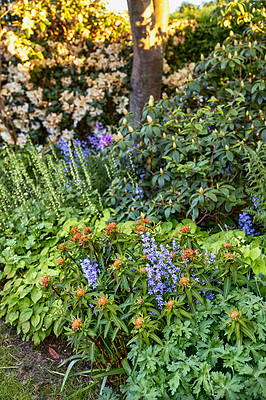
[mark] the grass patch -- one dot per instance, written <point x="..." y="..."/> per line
<point x="26" y="370"/>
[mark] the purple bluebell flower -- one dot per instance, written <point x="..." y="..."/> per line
<point x="162" y="274"/>
<point x="245" y="224"/>
<point x="90" y="271"/>
<point x="65" y="150"/>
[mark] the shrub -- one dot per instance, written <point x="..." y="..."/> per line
<point x="178" y="162"/>
<point x="65" y="70"/>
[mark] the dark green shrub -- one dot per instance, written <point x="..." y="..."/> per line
<point x="178" y="162"/>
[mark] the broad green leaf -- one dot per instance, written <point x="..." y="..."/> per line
<point x="36" y="294"/>
<point x="35" y="319"/>
<point x="25" y="315"/>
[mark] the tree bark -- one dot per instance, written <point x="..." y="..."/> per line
<point x="149" y="22"/>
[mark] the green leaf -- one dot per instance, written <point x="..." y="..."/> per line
<point x="26" y="327"/>
<point x="126" y="366"/>
<point x="35" y="319"/>
<point x="211" y="196"/>
<point x="197" y="295"/>
<point x="255" y="253"/>
<point x="227" y="284"/>
<point x="248" y="333"/>
<point x="229" y="155"/>
<point x="36" y="294"/>
<point x="116" y="371"/>
<point x="11" y="317"/>
<point x="156" y="339"/>
<point x="25" y="315"/>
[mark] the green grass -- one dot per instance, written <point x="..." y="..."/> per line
<point x="26" y="371"/>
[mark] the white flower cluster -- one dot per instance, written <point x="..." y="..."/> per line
<point x="53" y="89"/>
<point x="178" y="78"/>
<point x="30" y="105"/>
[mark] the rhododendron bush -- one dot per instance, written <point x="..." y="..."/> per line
<point x="66" y="68"/>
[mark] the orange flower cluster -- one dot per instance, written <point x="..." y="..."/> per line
<point x="74" y="229"/>
<point x="170" y="303"/>
<point x="139" y="321"/>
<point x="184" y="281"/>
<point x="84" y="239"/>
<point x="60" y="261"/>
<point x="188" y="253"/>
<point x="226" y="245"/>
<point x="230" y="256"/>
<point x="80" y="292"/>
<point x="62" y="246"/>
<point x="184" y="229"/>
<point x="111" y="228"/>
<point x="76" y="237"/>
<point x="117" y="263"/>
<point x="76" y="324"/>
<point x="102" y="301"/>
<point x="45" y="280"/>
<point x="144" y="221"/>
<point x="141" y="228"/>
<point x="234" y="315"/>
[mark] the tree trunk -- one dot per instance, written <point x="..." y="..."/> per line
<point x="149" y="22"/>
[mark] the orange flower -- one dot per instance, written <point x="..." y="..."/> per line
<point x="141" y="228"/>
<point x="80" y="292"/>
<point x="184" y="281"/>
<point x="60" y="261"/>
<point x="62" y="246"/>
<point x="226" y="245"/>
<point x="188" y="253"/>
<point x="111" y="228"/>
<point x="138" y="322"/>
<point x="102" y="301"/>
<point x="142" y="271"/>
<point x="184" y="229"/>
<point x="234" y="315"/>
<point x="76" y="324"/>
<point x="139" y="301"/>
<point x="76" y="237"/>
<point x="84" y="238"/>
<point x="74" y="229"/>
<point x="170" y="303"/>
<point x="230" y="256"/>
<point x="87" y="229"/>
<point x="143" y="221"/>
<point x="45" y="280"/>
<point x="116" y="264"/>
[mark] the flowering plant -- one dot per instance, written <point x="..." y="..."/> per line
<point x="121" y="285"/>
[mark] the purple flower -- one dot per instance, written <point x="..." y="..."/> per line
<point x="90" y="272"/>
<point x="162" y="274"/>
<point x="105" y="140"/>
<point x="245" y="224"/>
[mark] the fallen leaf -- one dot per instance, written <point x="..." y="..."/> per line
<point x="53" y="353"/>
